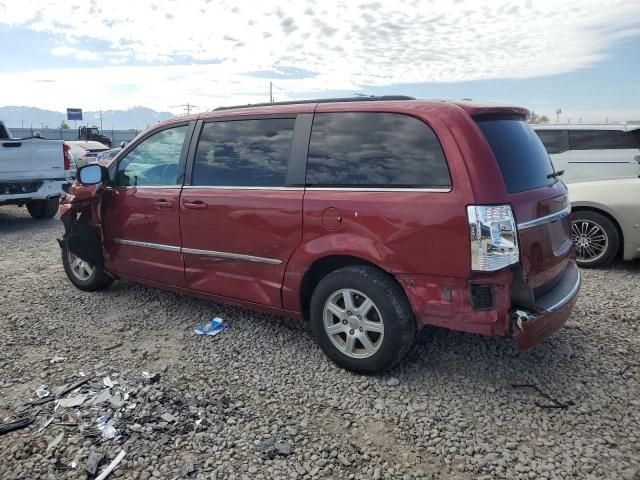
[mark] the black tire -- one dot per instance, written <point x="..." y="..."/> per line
<point x="608" y="229"/>
<point x="96" y="281"/>
<point x="42" y="209"/>
<point x="389" y="299"/>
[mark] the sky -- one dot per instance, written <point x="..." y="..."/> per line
<point x="582" y="57"/>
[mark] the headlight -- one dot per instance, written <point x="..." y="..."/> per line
<point x="494" y="237"/>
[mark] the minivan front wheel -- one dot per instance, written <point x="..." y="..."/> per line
<point x="82" y="274"/>
<point x="595" y="237"/>
<point x="362" y="319"/>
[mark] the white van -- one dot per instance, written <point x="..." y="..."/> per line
<point x="587" y="152"/>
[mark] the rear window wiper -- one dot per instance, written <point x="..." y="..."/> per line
<point x="555" y="174"/>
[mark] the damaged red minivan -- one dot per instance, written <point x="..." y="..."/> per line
<point x="370" y="217"/>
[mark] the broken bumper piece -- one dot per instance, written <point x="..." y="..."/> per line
<point x="552" y="311"/>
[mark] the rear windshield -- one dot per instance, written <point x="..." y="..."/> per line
<point x="523" y="160"/>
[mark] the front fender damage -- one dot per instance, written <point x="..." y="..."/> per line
<point x="80" y="215"/>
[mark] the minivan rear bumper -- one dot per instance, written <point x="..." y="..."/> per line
<point x="552" y="311"/>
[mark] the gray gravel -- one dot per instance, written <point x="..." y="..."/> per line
<point x="270" y="405"/>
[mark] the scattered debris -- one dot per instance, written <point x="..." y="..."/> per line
<point x="555" y="403"/>
<point x="94" y="460"/>
<point x="16" y="424"/>
<point x="71" y="402"/>
<point x="42" y="391"/>
<point x="53" y="443"/>
<point x="56" y="360"/>
<point x="45" y="424"/>
<point x="150" y="378"/>
<point x="214" y="327"/>
<point x="108" y="382"/>
<point x="105" y="473"/>
<point x="190" y="468"/>
<point x="279" y="445"/>
<point x="167" y="417"/>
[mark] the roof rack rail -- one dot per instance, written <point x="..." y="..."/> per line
<point x="371" y="98"/>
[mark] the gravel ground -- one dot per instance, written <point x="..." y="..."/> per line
<point x="450" y="411"/>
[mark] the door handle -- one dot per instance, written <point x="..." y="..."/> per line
<point x="164" y="204"/>
<point x="195" y="205"/>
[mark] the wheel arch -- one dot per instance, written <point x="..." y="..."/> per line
<point x="323" y="266"/>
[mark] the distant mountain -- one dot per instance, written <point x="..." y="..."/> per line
<point x="136" y="117"/>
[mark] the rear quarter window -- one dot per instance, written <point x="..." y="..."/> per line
<point x="369" y="149"/>
<point x="521" y="156"/>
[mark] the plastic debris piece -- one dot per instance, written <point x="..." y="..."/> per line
<point x="105" y="473"/>
<point x="150" y="378"/>
<point x="16" y="424"/>
<point x="42" y="391"/>
<point x="74" y="464"/>
<point x="214" y="327"/>
<point x="112" y="347"/>
<point x="45" y="424"/>
<point x="53" y="443"/>
<point x="190" y="468"/>
<point x="103" y="396"/>
<point x="108" y="382"/>
<point x="56" y="360"/>
<point x="71" y="402"/>
<point x="279" y="445"/>
<point x="95" y="457"/>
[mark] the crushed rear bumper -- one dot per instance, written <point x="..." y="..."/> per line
<point x="553" y="309"/>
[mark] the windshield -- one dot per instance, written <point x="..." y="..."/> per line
<point x="521" y="156"/>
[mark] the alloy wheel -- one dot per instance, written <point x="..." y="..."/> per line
<point x="353" y="323"/>
<point x="590" y="239"/>
<point x="81" y="269"/>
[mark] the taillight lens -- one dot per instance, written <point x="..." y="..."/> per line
<point x="67" y="156"/>
<point x="494" y="237"/>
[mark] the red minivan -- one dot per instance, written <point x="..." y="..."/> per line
<point x="370" y="217"/>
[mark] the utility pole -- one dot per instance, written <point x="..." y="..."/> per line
<point x="101" y="120"/>
<point x="270" y="92"/>
<point x="558" y="112"/>
<point x="186" y="106"/>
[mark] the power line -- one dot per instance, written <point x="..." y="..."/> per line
<point x="186" y="106"/>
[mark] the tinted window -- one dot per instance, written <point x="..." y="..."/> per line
<point x="600" y="139"/>
<point x="636" y="135"/>
<point x="154" y="161"/>
<point x="374" y="150"/>
<point x="253" y="153"/>
<point x="522" y="158"/>
<point x="555" y="141"/>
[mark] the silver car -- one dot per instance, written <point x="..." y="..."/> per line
<point x="606" y="220"/>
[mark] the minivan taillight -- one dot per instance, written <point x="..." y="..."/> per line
<point x="67" y="156"/>
<point x="494" y="237"/>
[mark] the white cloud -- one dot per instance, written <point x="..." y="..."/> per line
<point x="346" y="45"/>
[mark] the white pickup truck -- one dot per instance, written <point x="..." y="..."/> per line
<point x="33" y="172"/>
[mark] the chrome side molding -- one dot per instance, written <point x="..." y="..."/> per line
<point x="196" y="251"/>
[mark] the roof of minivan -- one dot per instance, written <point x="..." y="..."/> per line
<point x="585" y="126"/>
<point x="471" y="108"/>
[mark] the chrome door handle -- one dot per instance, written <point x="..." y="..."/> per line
<point x="164" y="204"/>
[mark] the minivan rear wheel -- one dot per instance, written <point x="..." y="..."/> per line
<point x="595" y="237"/>
<point x="361" y="319"/>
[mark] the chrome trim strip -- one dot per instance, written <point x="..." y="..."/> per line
<point x="568" y="296"/>
<point x="365" y="189"/>
<point x="546" y="219"/>
<point x="216" y="187"/>
<point x="195" y="251"/>
<point x="141" y="187"/>
<point x="232" y="256"/>
<point x="156" y="246"/>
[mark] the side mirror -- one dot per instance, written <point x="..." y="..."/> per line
<point x="92" y="174"/>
